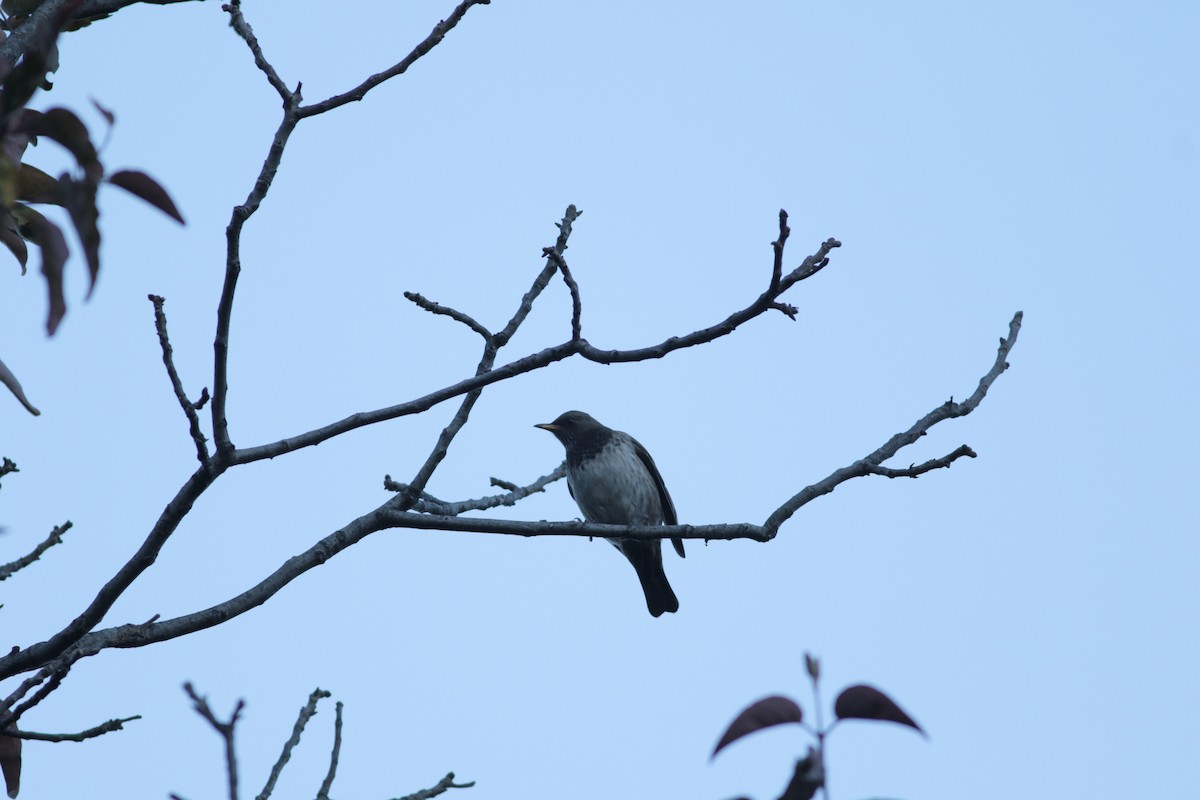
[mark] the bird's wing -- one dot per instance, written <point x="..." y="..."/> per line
<point x="668" y="506"/>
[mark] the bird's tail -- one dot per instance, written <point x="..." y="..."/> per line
<point x="646" y="558"/>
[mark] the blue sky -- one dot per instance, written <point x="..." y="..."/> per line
<point x="1034" y="608"/>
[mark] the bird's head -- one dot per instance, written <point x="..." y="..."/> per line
<point x="572" y="426"/>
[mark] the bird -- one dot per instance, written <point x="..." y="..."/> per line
<point x="614" y="480"/>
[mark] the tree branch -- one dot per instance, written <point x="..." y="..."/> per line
<point x="327" y="784"/>
<point x="55" y="537"/>
<point x="428" y="504"/>
<point x="441" y="786"/>
<point x="550" y="355"/>
<point x="306" y="713"/>
<point x="39" y="655"/>
<point x="491" y="348"/>
<point x="189" y="408"/>
<point x="90" y="733"/>
<point x="237" y="21"/>
<point x="869" y="464"/>
<point x="226" y="731"/>
<point x="572" y="287"/>
<point x="435" y="308"/>
<point x="428" y="43"/>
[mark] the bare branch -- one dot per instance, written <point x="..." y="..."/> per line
<point x="428" y="43"/>
<point x="441" y="786"/>
<point x="42" y="24"/>
<point x="868" y="465"/>
<point x="226" y="731"/>
<point x="428" y="504"/>
<point x="100" y="8"/>
<point x="573" y="287"/>
<point x="921" y="469"/>
<point x="777" y="246"/>
<point x="306" y="713"/>
<point x="39" y="655"/>
<point x="238" y="22"/>
<point x="323" y="793"/>
<point x="391" y="515"/>
<point x="492" y="345"/>
<point x="543" y="279"/>
<point x="550" y="355"/>
<point x="55" y="537"/>
<point x="189" y="408"/>
<point x="395" y="518"/>
<point x="435" y="308"/>
<point x="90" y="733"/>
<point x="55" y="672"/>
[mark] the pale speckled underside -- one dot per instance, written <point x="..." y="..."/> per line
<point x="621" y="492"/>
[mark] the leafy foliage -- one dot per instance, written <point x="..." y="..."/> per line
<point x="23" y="185"/>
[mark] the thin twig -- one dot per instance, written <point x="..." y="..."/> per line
<point x="306" y="713"/>
<point x="777" y="246"/>
<point x="327" y="784"/>
<point x="428" y="43"/>
<point x="437" y="308"/>
<point x="226" y="731"/>
<point x="238" y="22"/>
<point x="55" y="537"/>
<point x="428" y="504"/>
<point x="921" y="469"/>
<point x="189" y="408"/>
<point x="7" y="465"/>
<point x="487" y="361"/>
<point x="573" y="287"/>
<point x="535" y="361"/>
<point x="866" y="466"/>
<point x="441" y="786"/>
<point x="90" y="733"/>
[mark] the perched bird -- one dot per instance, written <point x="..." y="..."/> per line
<point x="614" y="481"/>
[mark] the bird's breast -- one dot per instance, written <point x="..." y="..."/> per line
<point x="614" y="487"/>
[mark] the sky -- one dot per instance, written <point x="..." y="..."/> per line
<point x="1034" y="608"/>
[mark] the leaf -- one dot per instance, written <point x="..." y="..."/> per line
<point x="813" y="666"/>
<point x="11" y="237"/>
<point x="867" y="702"/>
<point x="46" y="235"/>
<point x="109" y="116"/>
<point x="64" y="127"/>
<point x="14" y="386"/>
<point x="770" y="711"/>
<point x="79" y="198"/>
<point x="35" y="186"/>
<point x="10" y="763"/>
<point x="142" y="185"/>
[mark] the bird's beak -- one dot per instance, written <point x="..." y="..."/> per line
<point x="547" y="426"/>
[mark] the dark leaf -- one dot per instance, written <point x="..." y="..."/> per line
<point x="11" y="237"/>
<point x="813" y="666"/>
<point x="104" y="112"/>
<point x="773" y="710"/>
<point x="16" y="140"/>
<point x="14" y="386"/>
<point x="8" y="182"/>
<point x="79" y="198"/>
<point x="10" y="763"/>
<point x="46" y="235"/>
<point x="808" y="777"/>
<point x="148" y="189"/>
<point x="64" y="127"/>
<point x="35" y="186"/>
<point x="867" y="702"/>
